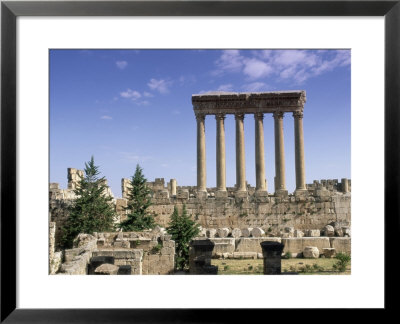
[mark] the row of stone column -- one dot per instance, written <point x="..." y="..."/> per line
<point x="280" y="185"/>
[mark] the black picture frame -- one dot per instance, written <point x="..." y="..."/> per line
<point x="10" y="10"/>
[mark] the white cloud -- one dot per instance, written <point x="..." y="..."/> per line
<point x="289" y="66"/>
<point x="340" y="58"/>
<point x="229" y="61"/>
<point x="256" y="69"/>
<point x="255" y="86"/>
<point x="121" y="64"/>
<point x="147" y="94"/>
<point x="131" y="94"/>
<point x="106" y="117"/>
<point x="159" y="85"/>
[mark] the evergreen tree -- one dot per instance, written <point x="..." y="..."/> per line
<point x="183" y="230"/>
<point x="138" y="219"/>
<point x="92" y="211"/>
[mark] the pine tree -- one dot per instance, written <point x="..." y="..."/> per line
<point x="183" y="230"/>
<point x="92" y="211"/>
<point x="138" y="219"/>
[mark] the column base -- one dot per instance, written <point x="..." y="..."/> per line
<point x="202" y="194"/>
<point x="261" y="193"/>
<point x="241" y="194"/>
<point x="221" y="194"/>
<point x="281" y="193"/>
<point x="301" y="193"/>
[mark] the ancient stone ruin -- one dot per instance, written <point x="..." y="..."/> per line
<point x="236" y="220"/>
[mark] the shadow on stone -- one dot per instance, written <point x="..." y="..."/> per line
<point x="272" y="254"/>
<point x="200" y="252"/>
<point x="97" y="261"/>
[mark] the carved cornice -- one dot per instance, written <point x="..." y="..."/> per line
<point x="249" y="103"/>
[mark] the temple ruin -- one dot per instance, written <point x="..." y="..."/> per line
<point x="278" y="103"/>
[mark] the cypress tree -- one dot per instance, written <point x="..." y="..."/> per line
<point x="92" y="210"/>
<point x="183" y="229"/>
<point x="138" y="219"/>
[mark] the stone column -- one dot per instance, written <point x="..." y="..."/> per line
<point x="299" y="152"/>
<point x="173" y="187"/>
<point x="345" y="185"/>
<point x="280" y="186"/>
<point x="240" y="155"/>
<point x="221" y="171"/>
<point x="201" y="153"/>
<point x="260" y="163"/>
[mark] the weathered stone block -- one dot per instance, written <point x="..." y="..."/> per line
<point x="236" y="233"/>
<point x="246" y="232"/>
<point x="341" y="244"/>
<point x="223" y="245"/>
<point x="106" y="269"/>
<point x="182" y="194"/>
<point x="313" y="233"/>
<point x="257" y="232"/>
<point x="223" y="232"/>
<point x="297" y="245"/>
<point x="221" y="194"/>
<point x="329" y="231"/>
<point x="211" y="232"/>
<point x="298" y="233"/>
<point x="329" y="252"/>
<point x="252" y="244"/>
<point x="311" y="252"/>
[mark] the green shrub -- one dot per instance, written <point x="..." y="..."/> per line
<point x="226" y="267"/>
<point x="156" y="248"/>
<point x="288" y="255"/>
<point x="343" y="261"/>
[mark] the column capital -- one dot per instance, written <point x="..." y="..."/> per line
<point x="239" y="116"/>
<point x="200" y="117"/>
<point x="219" y="116"/>
<point x="278" y="114"/>
<point x="298" y="114"/>
<point x="259" y="116"/>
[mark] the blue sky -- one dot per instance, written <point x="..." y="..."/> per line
<point x="128" y="107"/>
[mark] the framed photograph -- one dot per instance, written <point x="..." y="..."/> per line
<point x="214" y="56"/>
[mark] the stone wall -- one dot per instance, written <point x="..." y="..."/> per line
<point x="122" y="257"/>
<point x="55" y="258"/>
<point x="271" y="213"/>
<point x="158" y="248"/>
<point x="151" y="252"/>
<point x="325" y="203"/>
<point x="78" y="258"/>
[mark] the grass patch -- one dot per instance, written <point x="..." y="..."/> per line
<point x="321" y="266"/>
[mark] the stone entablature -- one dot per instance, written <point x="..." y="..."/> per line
<point x="248" y="102"/>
